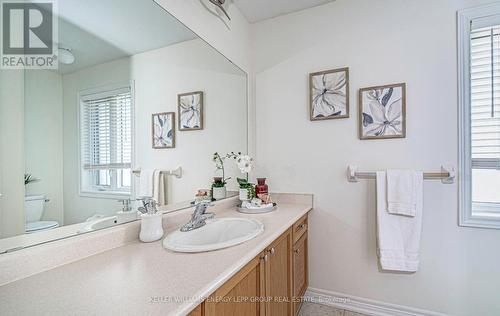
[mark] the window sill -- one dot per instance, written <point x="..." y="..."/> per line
<point x="112" y="195"/>
<point x="492" y="222"/>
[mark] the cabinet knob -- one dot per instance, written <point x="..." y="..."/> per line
<point x="272" y="251"/>
<point x="266" y="258"/>
<point x="296" y="251"/>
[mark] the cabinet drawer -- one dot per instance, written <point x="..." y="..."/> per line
<point x="299" y="228"/>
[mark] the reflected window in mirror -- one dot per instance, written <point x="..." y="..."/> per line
<point x="106" y="141"/>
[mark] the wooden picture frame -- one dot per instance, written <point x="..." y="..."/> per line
<point x="329" y="94"/>
<point x="190" y="111"/>
<point x="373" y="112"/>
<point x="162" y="135"/>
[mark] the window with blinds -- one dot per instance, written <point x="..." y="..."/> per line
<point x="106" y="141"/>
<point x="478" y="53"/>
<point x="485" y="119"/>
<point x="485" y="97"/>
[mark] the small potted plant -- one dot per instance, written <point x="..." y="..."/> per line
<point x="219" y="189"/>
<point x="219" y="184"/>
<point x="247" y="190"/>
<point x="245" y="164"/>
<point x="28" y="178"/>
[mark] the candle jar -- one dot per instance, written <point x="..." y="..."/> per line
<point x="262" y="187"/>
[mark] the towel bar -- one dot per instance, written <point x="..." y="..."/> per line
<point x="176" y="172"/>
<point x="447" y="174"/>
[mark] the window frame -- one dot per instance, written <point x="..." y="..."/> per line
<point x="107" y="194"/>
<point x="466" y="217"/>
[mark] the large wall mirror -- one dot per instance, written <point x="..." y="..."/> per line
<point x="136" y="96"/>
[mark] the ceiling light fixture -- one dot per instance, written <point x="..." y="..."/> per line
<point x="218" y="4"/>
<point x="65" y="56"/>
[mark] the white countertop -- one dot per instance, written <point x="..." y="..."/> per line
<point x="139" y="278"/>
<point x="27" y="240"/>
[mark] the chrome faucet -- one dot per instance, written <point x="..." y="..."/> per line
<point x="199" y="217"/>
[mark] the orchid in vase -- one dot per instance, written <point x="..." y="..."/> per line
<point x="219" y="185"/>
<point x="245" y="164"/>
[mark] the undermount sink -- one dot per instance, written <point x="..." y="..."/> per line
<point x="216" y="234"/>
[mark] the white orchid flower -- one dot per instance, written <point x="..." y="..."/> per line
<point x="245" y="163"/>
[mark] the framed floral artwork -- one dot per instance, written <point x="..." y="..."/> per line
<point x="163" y="130"/>
<point x="382" y="112"/>
<point x="190" y="111"/>
<point x="329" y="94"/>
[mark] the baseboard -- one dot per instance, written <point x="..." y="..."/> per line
<point x="363" y="305"/>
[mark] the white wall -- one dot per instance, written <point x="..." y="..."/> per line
<point x="11" y="152"/>
<point x="158" y="76"/>
<point x="43" y="138"/>
<point x="382" y="41"/>
<point x="231" y="38"/>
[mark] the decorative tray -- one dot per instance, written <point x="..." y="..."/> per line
<point x="257" y="210"/>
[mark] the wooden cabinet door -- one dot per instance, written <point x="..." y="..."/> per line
<point x="279" y="276"/>
<point x="198" y="311"/>
<point x="241" y="295"/>
<point x="300" y="273"/>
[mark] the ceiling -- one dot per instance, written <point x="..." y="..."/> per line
<point x="116" y="29"/>
<point x="258" y="10"/>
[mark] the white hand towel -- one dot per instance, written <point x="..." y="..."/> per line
<point x="402" y="191"/>
<point x="159" y="188"/>
<point x="146" y="183"/>
<point x="398" y="236"/>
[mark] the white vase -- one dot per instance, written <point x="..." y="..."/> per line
<point x="244" y="195"/>
<point x="151" y="227"/>
<point x="219" y="193"/>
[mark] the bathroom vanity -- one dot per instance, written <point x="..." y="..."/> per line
<point x="137" y="278"/>
<point x="272" y="283"/>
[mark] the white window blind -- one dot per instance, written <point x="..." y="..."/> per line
<point x="485" y="117"/>
<point x="479" y="115"/>
<point x="485" y="97"/>
<point x="106" y="140"/>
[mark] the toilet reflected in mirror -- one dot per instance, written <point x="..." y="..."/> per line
<point x="34" y="206"/>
